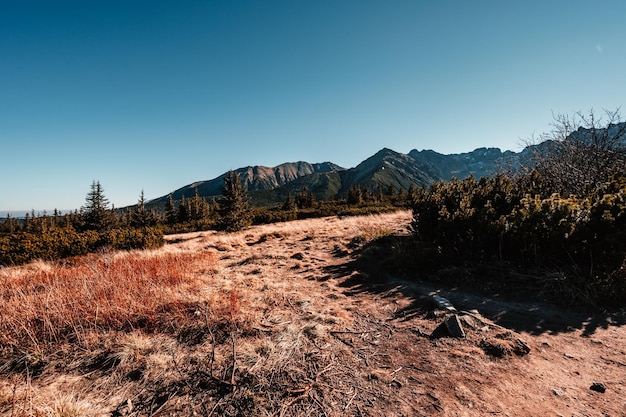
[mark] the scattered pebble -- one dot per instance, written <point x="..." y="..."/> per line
<point x="556" y="392"/>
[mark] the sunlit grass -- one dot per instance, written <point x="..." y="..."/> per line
<point x="49" y="303"/>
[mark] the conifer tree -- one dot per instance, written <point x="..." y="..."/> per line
<point x="27" y="222"/>
<point x="141" y="217"/>
<point x="304" y="199"/>
<point x="379" y="193"/>
<point x="411" y="194"/>
<point x="183" y="210"/>
<point x="96" y="213"/>
<point x="289" y="204"/>
<point x="355" y="195"/>
<point x="214" y="208"/>
<point x="234" y="209"/>
<point x="56" y="215"/>
<point x="171" y="216"/>
<point x="198" y="207"/>
<point x="10" y="224"/>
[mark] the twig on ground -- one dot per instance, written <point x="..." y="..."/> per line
<point x="334" y="332"/>
<point x="208" y="328"/>
<point x="162" y="406"/>
<point x="232" y="375"/>
<point x="345" y="408"/>
<point x="215" y="407"/>
<point x="613" y="361"/>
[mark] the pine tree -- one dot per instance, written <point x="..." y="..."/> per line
<point x="56" y="216"/>
<point x="198" y="207"/>
<point x="289" y="204"/>
<point x="214" y="208"/>
<point x="27" y="223"/>
<point x="234" y="207"/>
<point x="355" y="195"/>
<point x="170" y="211"/>
<point x="141" y="217"/>
<point x="379" y="193"/>
<point x="10" y="225"/>
<point x="411" y="195"/>
<point x="96" y="213"/>
<point x="183" y="210"/>
<point x="304" y="199"/>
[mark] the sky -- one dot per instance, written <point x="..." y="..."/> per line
<point x="154" y="95"/>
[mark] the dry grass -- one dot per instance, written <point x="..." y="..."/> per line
<point x="206" y="314"/>
<point x="46" y="304"/>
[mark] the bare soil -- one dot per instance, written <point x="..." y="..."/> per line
<point x="318" y="326"/>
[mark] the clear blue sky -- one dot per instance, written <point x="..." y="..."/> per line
<point x="155" y="95"/>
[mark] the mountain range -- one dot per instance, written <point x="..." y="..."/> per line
<point x="269" y="186"/>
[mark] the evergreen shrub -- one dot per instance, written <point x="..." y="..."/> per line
<point x="495" y="222"/>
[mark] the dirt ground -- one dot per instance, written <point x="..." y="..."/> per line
<point x="332" y="333"/>
<point x="388" y="324"/>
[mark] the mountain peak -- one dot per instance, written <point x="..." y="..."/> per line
<point x="386" y="152"/>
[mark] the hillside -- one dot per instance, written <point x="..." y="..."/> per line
<point x="290" y="319"/>
<point x="256" y="178"/>
<point x="481" y="162"/>
<point x="269" y="186"/>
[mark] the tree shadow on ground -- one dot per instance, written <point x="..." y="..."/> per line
<point x="373" y="269"/>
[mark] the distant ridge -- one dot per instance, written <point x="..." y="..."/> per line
<point x="270" y="185"/>
<point x="256" y="178"/>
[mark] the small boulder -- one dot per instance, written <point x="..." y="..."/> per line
<point x="450" y="327"/>
<point x="598" y="387"/>
<point x="453" y="324"/>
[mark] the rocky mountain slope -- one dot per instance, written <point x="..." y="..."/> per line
<point x="255" y="178"/>
<point x="271" y="185"/>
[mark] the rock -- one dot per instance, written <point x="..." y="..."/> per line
<point x="299" y="256"/>
<point x="556" y="392"/>
<point x="521" y="347"/>
<point x="443" y="303"/>
<point x="598" y="387"/>
<point x="468" y="321"/>
<point x="453" y="324"/>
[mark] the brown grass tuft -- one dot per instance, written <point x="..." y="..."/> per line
<point x="51" y="303"/>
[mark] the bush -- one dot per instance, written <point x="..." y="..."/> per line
<point x="471" y="223"/>
<point x="56" y="243"/>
